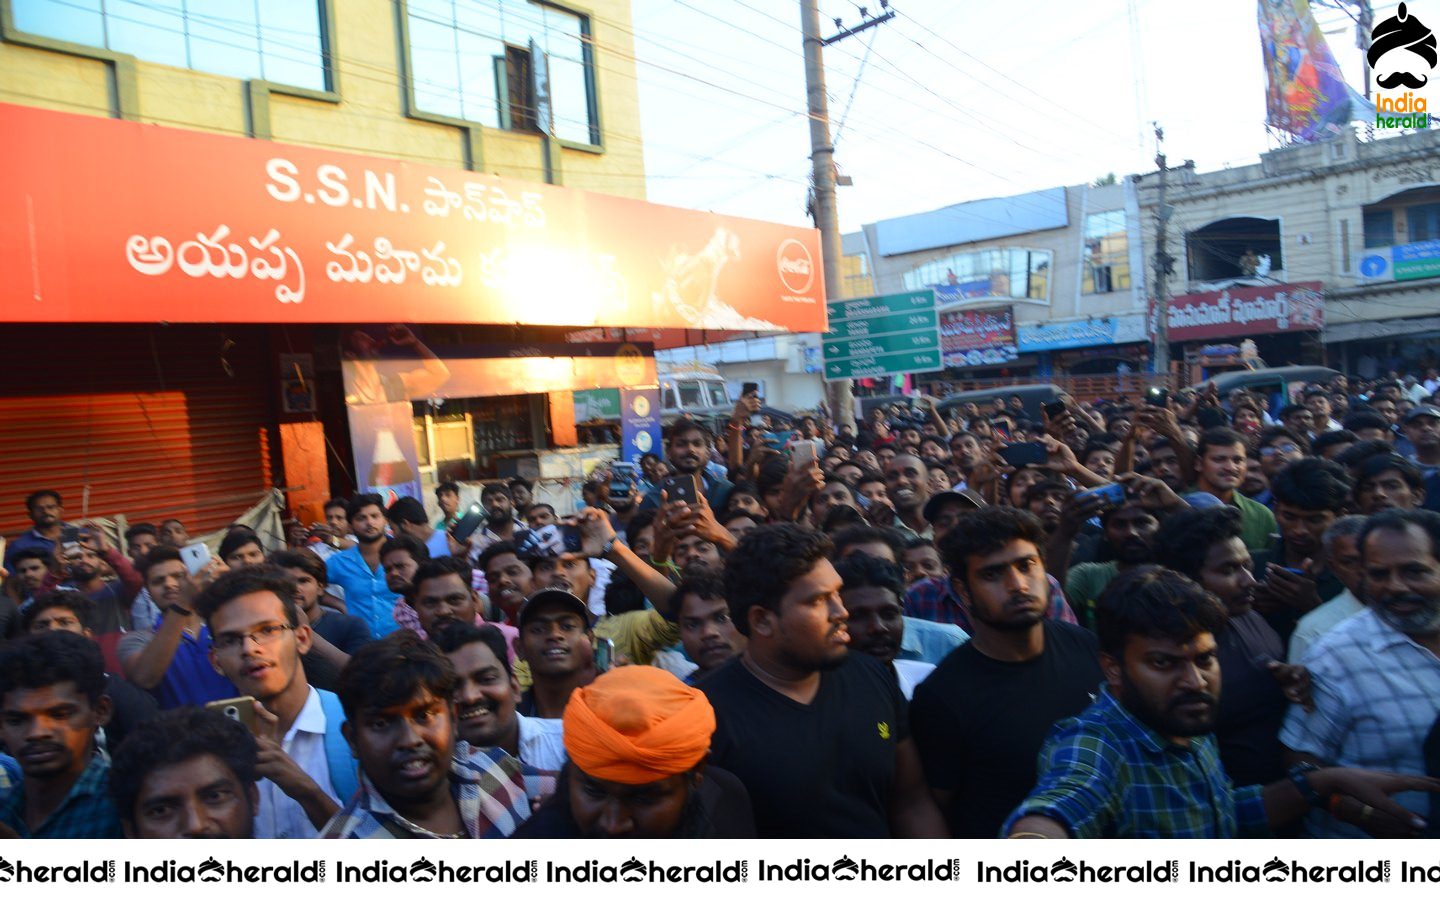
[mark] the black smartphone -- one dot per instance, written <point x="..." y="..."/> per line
<point x="680" y="488"/>
<point x="1030" y="453"/>
<point x="622" y="479"/>
<point x="1157" y="396"/>
<point x="1053" y="410"/>
<point x="569" y="538"/>
<point x="468" y="524"/>
<point x="70" y="534"/>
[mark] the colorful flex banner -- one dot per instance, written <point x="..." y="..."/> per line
<point x="1244" y="312"/>
<point x="110" y="221"/>
<point x="978" y="337"/>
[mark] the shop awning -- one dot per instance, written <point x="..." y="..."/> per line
<point x="111" y="221"/>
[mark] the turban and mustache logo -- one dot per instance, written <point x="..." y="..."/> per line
<point x="1402" y="32"/>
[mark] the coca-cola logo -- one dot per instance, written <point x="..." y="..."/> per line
<point x="796" y="267"/>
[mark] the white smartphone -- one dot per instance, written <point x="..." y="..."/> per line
<point x="196" y="557"/>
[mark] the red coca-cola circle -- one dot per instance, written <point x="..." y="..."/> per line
<point x="795" y="265"/>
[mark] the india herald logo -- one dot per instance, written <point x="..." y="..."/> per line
<point x="796" y="268"/>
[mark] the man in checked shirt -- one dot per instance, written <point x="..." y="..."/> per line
<point x="1142" y="762"/>
<point x="399" y="700"/>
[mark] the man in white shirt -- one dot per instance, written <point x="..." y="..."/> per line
<point x="1342" y="556"/>
<point x="257" y="641"/>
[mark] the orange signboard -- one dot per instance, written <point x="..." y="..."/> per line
<point x="110" y="221"/>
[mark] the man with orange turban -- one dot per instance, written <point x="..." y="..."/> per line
<point x="638" y="739"/>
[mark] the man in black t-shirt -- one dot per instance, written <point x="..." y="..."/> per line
<point x="818" y="735"/>
<point x="981" y="717"/>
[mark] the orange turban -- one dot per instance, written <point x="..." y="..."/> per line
<point x="637" y="724"/>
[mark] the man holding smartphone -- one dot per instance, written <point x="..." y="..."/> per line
<point x="687" y="450"/>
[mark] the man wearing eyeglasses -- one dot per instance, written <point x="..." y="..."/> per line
<point x="257" y="639"/>
<point x="1278" y="447"/>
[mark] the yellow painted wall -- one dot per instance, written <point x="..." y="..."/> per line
<point x="369" y="117"/>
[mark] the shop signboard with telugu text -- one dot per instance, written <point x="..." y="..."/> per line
<point x="978" y="337"/>
<point x="1246" y="312"/>
<point x="113" y="221"/>
<point x="1403" y="262"/>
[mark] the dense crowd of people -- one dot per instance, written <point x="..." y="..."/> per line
<point x="979" y="621"/>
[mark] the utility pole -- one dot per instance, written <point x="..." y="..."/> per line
<point x="1164" y="263"/>
<point x="822" y="159"/>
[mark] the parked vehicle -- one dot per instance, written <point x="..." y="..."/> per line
<point x="1281" y="384"/>
<point x="1033" y="396"/>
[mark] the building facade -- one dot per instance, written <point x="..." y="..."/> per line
<point x="1320" y="253"/>
<point x="200" y="421"/>
<point x="1028" y="286"/>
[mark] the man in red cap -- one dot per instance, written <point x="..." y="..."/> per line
<point x="638" y="740"/>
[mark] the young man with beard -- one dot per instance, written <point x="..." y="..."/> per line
<point x="442" y="596"/>
<point x="1205" y="546"/>
<point x="189" y="773"/>
<point x="47" y="512"/>
<point x="1220" y="467"/>
<point x="258" y="640"/>
<point x="358" y="569"/>
<point x="82" y="563"/>
<point x="687" y="450"/>
<point x="1140" y="762"/>
<point x="1310" y="495"/>
<point x="52" y="702"/>
<point x="1377" y="677"/>
<point x="980" y="718"/>
<point x="400" y="558"/>
<point x="487" y="694"/>
<point x="638" y="741"/>
<point x="873" y="593"/>
<point x="817" y="734"/>
<point x="399" y="702"/>
<point x="555" y="641"/>
<point x="907" y="484"/>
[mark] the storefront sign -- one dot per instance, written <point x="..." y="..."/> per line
<point x="1405" y="262"/>
<point x="639" y="423"/>
<point x="1243" y="312"/>
<point x="978" y="337"/>
<point x="1038" y="337"/>
<point x="111" y="221"/>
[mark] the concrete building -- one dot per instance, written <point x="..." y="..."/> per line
<point x="200" y="420"/>
<point x="1326" y="252"/>
<point x="1029" y="285"/>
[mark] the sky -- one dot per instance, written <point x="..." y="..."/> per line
<point x="955" y="99"/>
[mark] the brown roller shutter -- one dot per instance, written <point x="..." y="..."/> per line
<point x="158" y="421"/>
